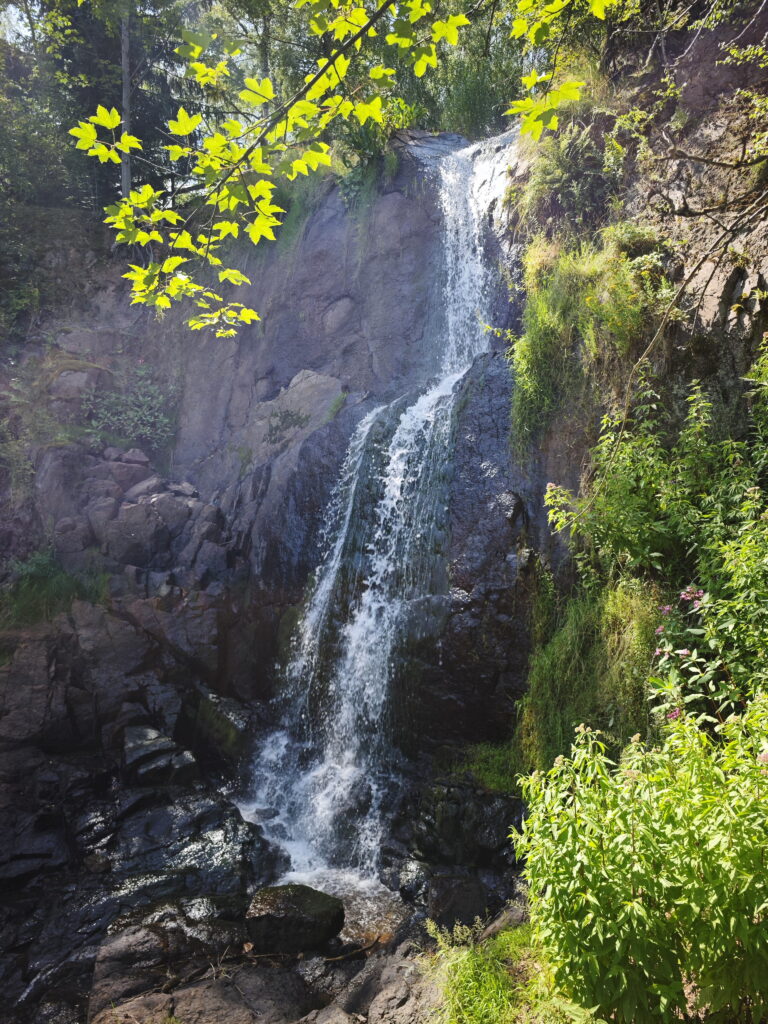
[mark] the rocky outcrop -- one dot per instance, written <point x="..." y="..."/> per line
<point x="117" y="720"/>
<point x="102" y="807"/>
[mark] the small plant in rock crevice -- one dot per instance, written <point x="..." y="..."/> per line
<point x="140" y="411"/>
<point x="39" y="588"/>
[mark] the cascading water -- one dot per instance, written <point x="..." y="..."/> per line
<point x="321" y="778"/>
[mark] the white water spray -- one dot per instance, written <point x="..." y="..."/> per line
<point x="321" y="778"/>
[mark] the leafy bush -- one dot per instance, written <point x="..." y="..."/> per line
<point x="140" y="412"/>
<point x="570" y="189"/>
<point x="648" y="887"/>
<point x="693" y="507"/>
<point x="40" y="588"/>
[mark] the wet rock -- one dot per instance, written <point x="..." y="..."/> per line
<point x="173" y="510"/>
<point x="326" y="979"/>
<point x="144" y="950"/>
<point x="247" y="996"/>
<point x="137" y="536"/>
<point x="189" y="627"/>
<point x="218" y="726"/>
<point x="292" y="918"/>
<point x="184" y="489"/>
<point x="171" y="844"/>
<point x="32" y="844"/>
<point x="456" y="898"/>
<point x="126" y="475"/>
<point x="100" y="512"/>
<point x="459" y="823"/>
<point x="72" y="535"/>
<point x="151" y="759"/>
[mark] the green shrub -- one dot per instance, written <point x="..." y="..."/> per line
<point x="692" y="507"/>
<point x="570" y="188"/>
<point x="648" y="888"/>
<point x="41" y="588"/>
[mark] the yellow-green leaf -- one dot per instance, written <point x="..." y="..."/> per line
<point x="184" y="123"/>
<point x="106" y="118"/>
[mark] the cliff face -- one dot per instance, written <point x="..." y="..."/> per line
<point x="118" y="718"/>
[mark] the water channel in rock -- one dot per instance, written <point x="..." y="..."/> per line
<point x="323" y="779"/>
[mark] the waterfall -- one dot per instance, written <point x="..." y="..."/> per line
<point x="322" y="777"/>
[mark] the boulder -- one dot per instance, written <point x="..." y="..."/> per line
<point x="461" y="823"/>
<point x="292" y="918"/>
<point x="137" y="535"/>
<point x="173" y="510"/>
<point x="125" y="474"/>
<point x="144" y="947"/>
<point x="72" y="535"/>
<point x="100" y="511"/>
<point x="135" y="456"/>
<point x="70" y="385"/>
<point x="218" y="726"/>
<point x="151" y="485"/>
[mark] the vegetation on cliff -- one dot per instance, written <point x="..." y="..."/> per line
<point x="645" y="844"/>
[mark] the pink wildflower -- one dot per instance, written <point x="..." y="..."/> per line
<point x="683" y="653"/>
<point x="659" y="629"/>
<point x="657" y="652"/>
<point x="762" y="757"/>
<point x="675" y="713"/>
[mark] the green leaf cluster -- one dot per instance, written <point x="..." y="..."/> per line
<point x="38" y="588"/>
<point x="690" y="506"/>
<point x="585" y="307"/>
<point x="500" y="981"/>
<point x="235" y="164"/>
<point x="648" y="888"/>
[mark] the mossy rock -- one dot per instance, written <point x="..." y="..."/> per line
<point x="217" y="727"/>
<point x="292" y="918"/>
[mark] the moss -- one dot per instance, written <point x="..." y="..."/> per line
<point x="336" y="406"/>
<point x="587" y="308"/>
<point x="493" y="765"/>
<point x="281" y="422"/>
<point x="503" y="980"/>
<point x="593" y="670"/>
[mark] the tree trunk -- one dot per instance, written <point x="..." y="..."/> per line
<point x="125" y="70"/>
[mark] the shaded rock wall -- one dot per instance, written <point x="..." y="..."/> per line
<point x="116" y="722"/>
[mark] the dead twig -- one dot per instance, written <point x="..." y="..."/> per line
<point x="353" y="952"/>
